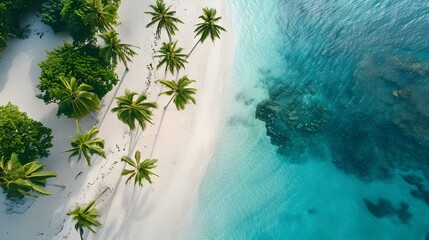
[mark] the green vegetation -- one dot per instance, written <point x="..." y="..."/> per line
<point x="180" y="92"/>
<point x="85" y="218"/>
<point x="140" y="171"/>
<point x="72" y="15"/>
<point x="114" y="51"/>
<point x="87" y="144"/>
<point x="100" y="16"/>
<point x="10" y="13"/>
<point x="20" y="180"/>
<point x="130" y="111"/>
<point x="172" y="57"/>
<point x="165" y="19"/>
<point x="76" y="100"/>
<point x="84" y="18"/>
<point x="208" y="28"/>
<point x="19" y="134"/>
<point x="51" y="14"/>
<point x="81" y="63"/>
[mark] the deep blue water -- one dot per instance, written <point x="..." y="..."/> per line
<point x="326" y="132"/>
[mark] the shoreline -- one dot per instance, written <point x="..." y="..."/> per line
<point x="184" y="143"/>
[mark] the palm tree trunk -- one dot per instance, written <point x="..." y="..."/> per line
<point x="162" y="86"/>
<point x="166" y="106"/>
<point x="196" y="44"/>
<point x="169" y="37"/>
<point x="78" y="126"/>
<point x="177" y="75"/>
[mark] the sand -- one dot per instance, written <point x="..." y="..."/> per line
<point x="183" y="142"/>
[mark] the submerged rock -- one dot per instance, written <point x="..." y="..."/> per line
<point x="289" y="113"/>
<point x="312" y="211"/>
<point x="384" y="208"/>
<point x="420" y="194"/>
<point x="413" y="180"/>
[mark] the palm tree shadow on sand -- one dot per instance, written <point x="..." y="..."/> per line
<point x="113" y="98"/>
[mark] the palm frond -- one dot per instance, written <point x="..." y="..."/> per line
<point x="140" y="170"/>
<point x="128" y="110"/>
<point x="182" y="94"/>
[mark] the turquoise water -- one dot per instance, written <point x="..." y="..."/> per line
<point x="327" y="124"/>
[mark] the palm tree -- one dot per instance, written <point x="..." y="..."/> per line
<point x="85" y="218"/>
<point x="165" y="19"/>
<point x="208" y="28"/>
<point x="114" y="50"/>
<point x="87" y="144"/>
<point x="179" y="92"/>
<point x="129" y="110"/>
<point x="140" y="171"/>
<point x="100" y="16"/>
<point x="77" y="100"/>
<point x="172" y="57"/>
<point x="23" y="180"/>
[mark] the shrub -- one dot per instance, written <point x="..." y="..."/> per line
<point x="71" y="15"/>
<point x="51" y="15"/>
<point x="22" y="135"/>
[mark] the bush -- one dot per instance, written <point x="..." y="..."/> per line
<point x="72" y="16"/>
<point x="3" y="27"/>
<point x="80" y="63"/>
<point x="51" y="15"/>
<point x="22" y="135"/>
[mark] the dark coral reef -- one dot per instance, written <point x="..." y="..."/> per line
<point x="374" y="123"/>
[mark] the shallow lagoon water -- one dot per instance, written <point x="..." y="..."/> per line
<point x="326" y="124"/>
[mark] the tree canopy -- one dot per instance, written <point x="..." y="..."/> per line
<point x="179" y="91"/>
<point x="129" y="110"/>
<point x="51" y="14"/>
<point x="114" y="51"/>
<point x="209" y="28"/>
<point x="87" y="144"/>
<point x="164" y="18"/>
<point x="140" y="170"/>
<point x="72" y="15"/>
<point x="80" y="63"/>
<point x="20" y="180"/>
<point x="77" y="100"/>
<point x="85" y="217"/>
<point x="19" y="134"/>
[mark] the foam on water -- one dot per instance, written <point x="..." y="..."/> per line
<point x="341" y="89"/>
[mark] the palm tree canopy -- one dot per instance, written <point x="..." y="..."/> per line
<point x="77" y="97"/>
<point x="85" y="218"/>
<point x="23" y="180"/>
<point x="140" y="171"/>
<point x="164" y="17"/>
<point x="87" y="145"/>
<point x="182" y="94"/>
<point x="114" y="51"/>
<point x="208" y="27"/>
<point x="172" y="57"/>
<point x="101" y="16"/>
<point x="129" y="111"/>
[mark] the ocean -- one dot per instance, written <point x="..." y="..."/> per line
<point x="326" y="130"/>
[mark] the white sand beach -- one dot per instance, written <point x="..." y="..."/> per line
<point x="183" y="142"/>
